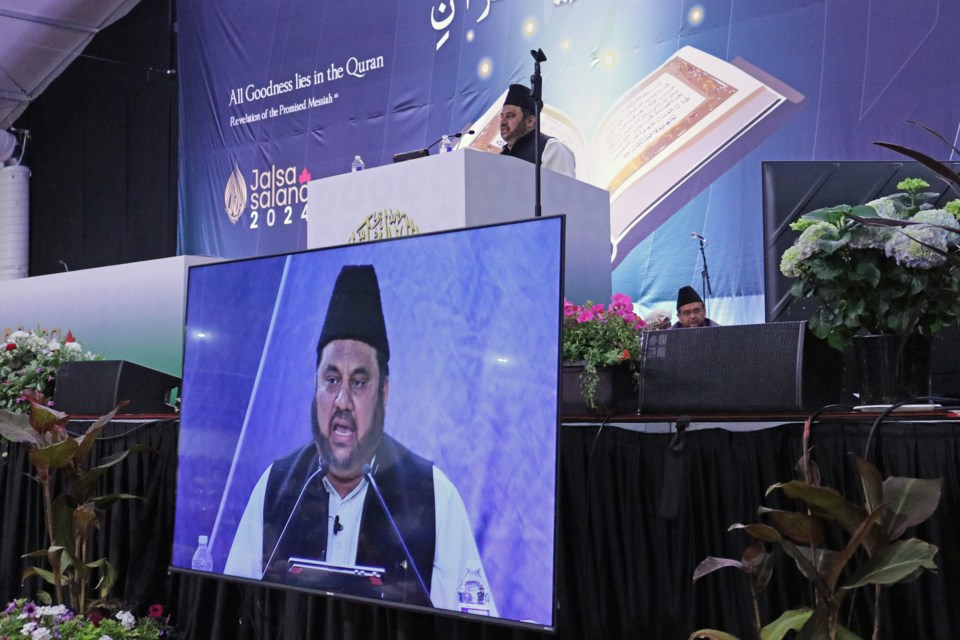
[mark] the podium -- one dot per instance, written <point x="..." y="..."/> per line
<point x="465" y="188"/>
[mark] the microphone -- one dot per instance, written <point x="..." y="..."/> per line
<point x="65" y="267"/>
<point x="337" y="527"/>
<point x="420" y="153"/>
<point x="694" y="234"/>
<point x="321" y="471"/>
<point x="368" y="474"/>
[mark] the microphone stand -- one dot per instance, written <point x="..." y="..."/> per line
<point x="536" y="90"/>
<point x="368" y="474"/>
<point x="705" y="274"/>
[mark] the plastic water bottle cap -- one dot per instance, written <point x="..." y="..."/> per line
<point x="356" y="157"/>
<point x="203" y="539"/>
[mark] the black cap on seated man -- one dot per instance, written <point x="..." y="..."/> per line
<point x="518" y="120"/>
<point x="691" y="311"/>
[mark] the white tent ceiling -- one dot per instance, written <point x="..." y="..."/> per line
<point x="40" y="38"/>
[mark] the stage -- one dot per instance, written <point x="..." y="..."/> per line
<point x="624" y="569"/>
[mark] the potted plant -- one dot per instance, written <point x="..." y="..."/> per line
<point x="887" y="268"/>
<point x="31" y="360"/>
<point x="599" y="342"/>
<point x="26" y="620"/>
<point x="872" y="551"/>
<point x="72" y="516"/>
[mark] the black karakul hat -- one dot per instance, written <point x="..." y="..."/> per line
<point x="519" y="96"/>
<point x="355" y="311"/>
<point x="686" y="295"/>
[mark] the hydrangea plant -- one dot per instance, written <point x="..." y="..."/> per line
<point x="887" y="267"/>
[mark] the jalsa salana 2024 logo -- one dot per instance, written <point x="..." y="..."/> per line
<point x="275" y="196"/>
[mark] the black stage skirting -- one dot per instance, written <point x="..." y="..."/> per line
<point x="624" y="570"/>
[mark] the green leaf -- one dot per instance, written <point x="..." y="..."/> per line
<point x="56" y="456"/>
<point x="711" y="634"/>
<point x="870" y="482"/>
<point x="864" y="211"/>
<point x="895" y="563"/>
<point x="108" y="576"/>
<point x="792" y="620"/>
<point x="30" y="572"/>
<point x="16" y="428"/>
<point x="910" y="501"/>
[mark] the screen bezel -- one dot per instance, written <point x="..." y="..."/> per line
<point x="439" y="611"/>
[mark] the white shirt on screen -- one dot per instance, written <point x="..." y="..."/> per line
<point x="455" y="545"/>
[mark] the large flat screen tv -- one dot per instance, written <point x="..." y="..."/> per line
<point x="379" y="421"/>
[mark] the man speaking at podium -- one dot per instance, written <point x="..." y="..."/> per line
<point x="518" y="119"/>
<point x="323" y="501"/>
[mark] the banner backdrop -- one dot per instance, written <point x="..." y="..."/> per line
<point x="670" y="104"/>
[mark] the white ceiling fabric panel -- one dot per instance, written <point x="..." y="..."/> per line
<point x="40" y="38"/>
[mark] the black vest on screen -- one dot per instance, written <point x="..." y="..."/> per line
<point x="406" y="481"/>
<point x="525" y="149"/>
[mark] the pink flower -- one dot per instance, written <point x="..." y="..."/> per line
<point x="597" y="308"/>
<point x="621" y="301"/>
<point x="156" y="610"/>
<point x="569" y="309"/>
<point x="586" y="315"/>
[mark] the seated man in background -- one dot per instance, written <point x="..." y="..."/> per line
<point x="518" y="121"/>
<point x="691" y="311"/>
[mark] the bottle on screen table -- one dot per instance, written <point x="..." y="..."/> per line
<point x="202" y="558"/>
<point x="356" y="165"/>
<point x="474" y="592"/>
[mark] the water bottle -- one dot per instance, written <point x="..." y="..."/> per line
<point x="474" y="592"/>
<point x="445" y="145"/>
<point x="356" y="165"/>
<point x="202" y="560"/>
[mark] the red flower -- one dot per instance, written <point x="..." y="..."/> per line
<point x="69" y="337"/>
<point x="624" y="355"/>
<point x="95" y="618"/>
<point x="156" y="610"/>
<point x="10" y="346"/>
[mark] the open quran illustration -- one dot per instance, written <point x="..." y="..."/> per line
<point x="666" y="138"/>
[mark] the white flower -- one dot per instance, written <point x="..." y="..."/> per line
<point x="905" y="246"/>
<point x="56" y="611"/>
<point x="53" y="345"/>
<point x="105" y="637"/>
<point x="884" y="207"/>
<point x="72" y="346"/>
<point x="17" y="334"/>
<point x="807" y="242"/>
<point x="126" y="619"/>
<point x="790" y="262"/>
<point x="41" y="633"/>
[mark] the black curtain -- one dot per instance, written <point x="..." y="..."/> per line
<point x="624" y="571"/>
<point x="103" y="150"/>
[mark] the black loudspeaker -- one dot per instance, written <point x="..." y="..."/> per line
<point x="98" y="386"/>
<point x="775" y="367"/>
